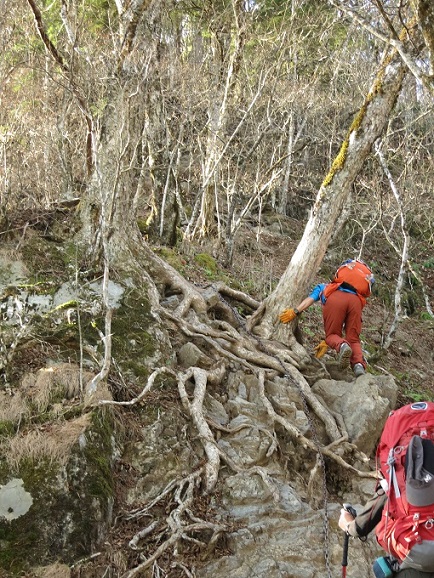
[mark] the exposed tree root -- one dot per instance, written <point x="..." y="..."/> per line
<point x="305" y="442"/>
<point x="180" y="525"/>
<point x="226" y="340"/>
<point x="196" y="412"/>
<point x="236" y="347"/>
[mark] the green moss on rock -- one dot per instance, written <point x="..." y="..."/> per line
<point x="21" y="539"/>
<point x="133" y="344"/>
<point x="72" y="504"/>
<point x="207" y="263"/>
<point x="43" y="258"/>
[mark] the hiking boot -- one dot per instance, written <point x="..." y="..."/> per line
<point x="345" y="352"/>
<point x="358" y="369"/>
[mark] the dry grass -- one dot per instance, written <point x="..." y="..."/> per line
<point x="53" y="443"/>
<point x="56" y="382"/>
<point x="13" y="408"/>
<point x="53" y="571"/>
<point x="47" y="388"/>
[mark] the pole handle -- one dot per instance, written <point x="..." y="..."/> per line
<point x="348" y="508"/>
<point x="345" y="551"/>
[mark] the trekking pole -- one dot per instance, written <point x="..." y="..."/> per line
<point x="348" y="508"/>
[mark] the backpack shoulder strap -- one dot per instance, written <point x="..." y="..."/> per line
<point x="330" y="288"/>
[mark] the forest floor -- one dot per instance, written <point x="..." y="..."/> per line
<point x="261" y="256"/>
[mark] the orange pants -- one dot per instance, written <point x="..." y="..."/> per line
<point x="342" y="312"/>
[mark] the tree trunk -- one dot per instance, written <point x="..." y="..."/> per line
<point x="366" y="127"/>
<point x="203" y="223"/>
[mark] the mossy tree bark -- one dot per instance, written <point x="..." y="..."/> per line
<point x="333" y="193"/>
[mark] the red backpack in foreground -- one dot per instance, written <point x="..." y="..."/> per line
<point x="405" y="456"/>
<point x="354" y="274"/>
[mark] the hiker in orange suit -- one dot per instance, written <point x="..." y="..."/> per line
<point x="342" y="302"/>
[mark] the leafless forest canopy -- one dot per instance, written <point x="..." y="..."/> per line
<point x="243" y="108"/>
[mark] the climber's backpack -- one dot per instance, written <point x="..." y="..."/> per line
<point x="405" y="456"/>
<point x="353" y="274"/>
